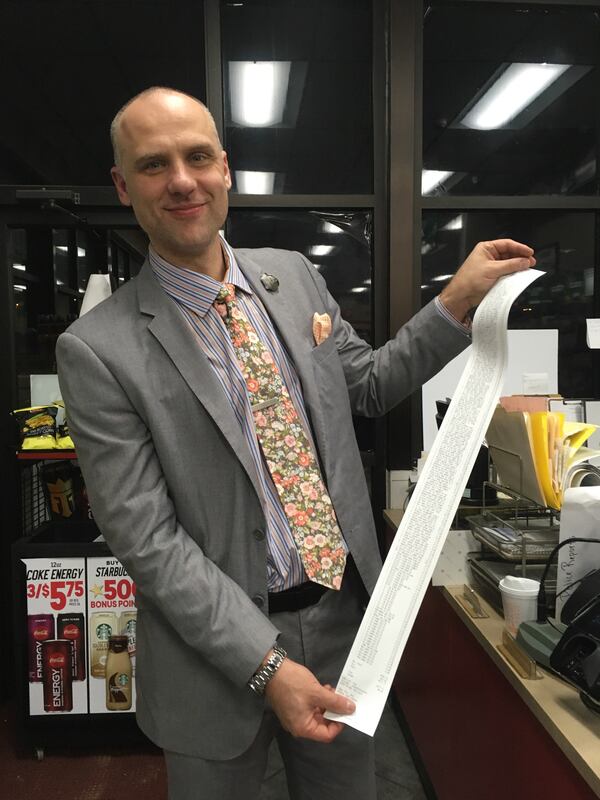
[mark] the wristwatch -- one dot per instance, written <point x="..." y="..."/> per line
<point x="258" y="682"/>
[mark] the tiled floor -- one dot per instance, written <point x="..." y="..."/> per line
<point x="127" y="773"/>
<point x="397" y="778"/>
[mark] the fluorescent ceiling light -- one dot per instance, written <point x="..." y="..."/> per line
<point x="358" y="289"/>
<point x="424" y="286"/>
<point x="317" y="266"/>
<point x="64" y="249"/>
<point x="367" y="282"/>
<point x="18" y="287"/>
<point x="249" y="182"/>
<point x="329" y="227"/>
<point x="258" y="92"/>
<point x="455" y="224"/>
<point x="21" y="267"/>
<point x="321" y="249"/>
<point x="442" y="277"/>
<point x="432" y="178"/>
<point x="514" y="90"/>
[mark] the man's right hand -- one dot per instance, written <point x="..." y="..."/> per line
<point x="300" y="701"/>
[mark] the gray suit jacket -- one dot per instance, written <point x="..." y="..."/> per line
<point x="174" y="490"/>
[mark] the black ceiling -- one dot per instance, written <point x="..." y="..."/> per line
<point x="67" y="66"/>
<point x="464" y="45"/>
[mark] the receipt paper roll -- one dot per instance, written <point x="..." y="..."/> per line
<point x="371" y="665"/>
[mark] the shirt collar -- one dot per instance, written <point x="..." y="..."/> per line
<point x="193" y="289"/>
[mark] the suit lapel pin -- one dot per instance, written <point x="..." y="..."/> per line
<point x="270" y="282"/>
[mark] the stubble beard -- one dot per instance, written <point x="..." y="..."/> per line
<point x="188" y="247"/>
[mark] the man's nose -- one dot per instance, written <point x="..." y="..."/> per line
<point x="181" y="180"/>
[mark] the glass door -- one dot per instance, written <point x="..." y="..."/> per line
<point x="49" y="267"/>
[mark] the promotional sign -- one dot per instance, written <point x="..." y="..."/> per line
<point x="56" y="635"/>
<point x="111" y="616"/>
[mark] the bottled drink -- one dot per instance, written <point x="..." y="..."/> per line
<point x="128" y="623"/>
<point x="118" y="675"/>
<point x="103" y="624"/>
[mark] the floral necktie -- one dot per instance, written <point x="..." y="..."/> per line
<point x="286" y="449"/>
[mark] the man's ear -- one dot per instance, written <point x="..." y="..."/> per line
<point x="226" y="171"/>
<point x="120" y="185"/>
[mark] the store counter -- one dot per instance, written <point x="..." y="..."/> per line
<point x="480" y="729"/>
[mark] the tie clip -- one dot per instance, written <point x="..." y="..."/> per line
<point x="265" y="404"/>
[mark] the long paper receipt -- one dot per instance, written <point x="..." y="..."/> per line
<point x="381" y="638"/>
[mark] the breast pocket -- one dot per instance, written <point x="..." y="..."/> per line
<point x="323" y="351"/>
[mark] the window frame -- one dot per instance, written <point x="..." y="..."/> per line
<point x="406" y="163"/>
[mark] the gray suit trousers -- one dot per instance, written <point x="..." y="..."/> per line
<point x="319" y="637"/>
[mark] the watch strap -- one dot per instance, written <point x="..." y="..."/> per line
<point x="258" y="682"/>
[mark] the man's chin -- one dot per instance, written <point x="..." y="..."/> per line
<point x="185" y="250"/>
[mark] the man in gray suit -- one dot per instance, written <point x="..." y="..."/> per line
<point x="235" y="644"/>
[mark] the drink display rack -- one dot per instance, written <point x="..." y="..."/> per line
<point x="60" y="571"/>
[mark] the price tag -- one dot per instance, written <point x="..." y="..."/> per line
<point x="58" y="592"/>
<point x="55" y="585"/>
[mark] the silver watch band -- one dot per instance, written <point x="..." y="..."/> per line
<point x="258" y="682"/>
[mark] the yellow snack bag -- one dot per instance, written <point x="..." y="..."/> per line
<point x="37" y="427"/>
<point x="63" y="438"/>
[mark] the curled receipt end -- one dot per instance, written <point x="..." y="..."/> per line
<point x="371" y="665"/>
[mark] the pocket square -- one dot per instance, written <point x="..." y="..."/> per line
<point x="321" y="327"/>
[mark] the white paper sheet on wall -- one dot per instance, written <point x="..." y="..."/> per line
<point x="44" y="389"/>
<point x="535" y="383"/>
<point x="592" y="411"/>
<point x="580" y="516"/>
<point x="593" y="333"/>
<point x="371" y="665"/>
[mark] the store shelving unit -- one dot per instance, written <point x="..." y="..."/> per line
<point x="46" y="541"/>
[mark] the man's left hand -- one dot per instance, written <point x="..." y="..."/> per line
<point x="487" y="262"/>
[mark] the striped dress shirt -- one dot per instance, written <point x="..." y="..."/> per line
<point x="194" y="294"/>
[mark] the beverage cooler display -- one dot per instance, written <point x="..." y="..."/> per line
<point x="81" y="621"/>
<point x="74" y="623"/>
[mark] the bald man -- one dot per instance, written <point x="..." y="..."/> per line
<point x="236" y="644"/>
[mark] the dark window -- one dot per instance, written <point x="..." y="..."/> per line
<point x="563" y="298"/>
<point x="50" y="272"/>
<point x="338" y="243"/>
<point x="539" y="65"/>
<point x="297" y="95"/>
<point x="67" y="67"/>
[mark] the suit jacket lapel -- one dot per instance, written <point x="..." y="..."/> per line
<point x="169" y="327"/>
